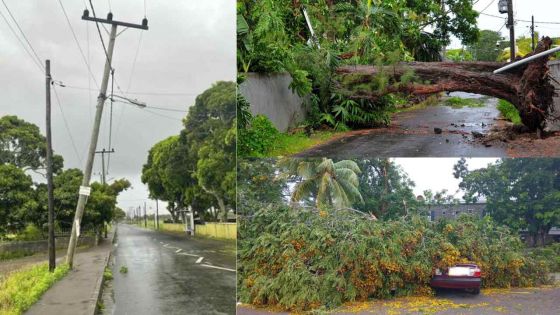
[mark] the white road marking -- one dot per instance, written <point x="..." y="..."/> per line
<point x="187" y="254"/>
<point x="221" y="268"/>
<point x="161" y="242"/>
<point x="199" y="260"/>
<point x="178" y="250"/>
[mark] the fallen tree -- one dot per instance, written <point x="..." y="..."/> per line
<point x="527" y="87"/>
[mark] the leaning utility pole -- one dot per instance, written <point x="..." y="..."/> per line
<point x="145" y="218"/>
<point x="84" y="188"/>
<point x="511" y="31"/>
<point x="51" y="246"/>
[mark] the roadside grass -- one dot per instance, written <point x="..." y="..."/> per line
<point x="509" y="112"/>
<point x="289" y="144"/>
<point x="458" y="102"/>
<point x="19" y="290"/>
<point x="107" y="274"/>
<point x="15" y="254"/>
<point x="431" y="100"/>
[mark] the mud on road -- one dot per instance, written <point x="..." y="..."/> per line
<point x="460" y="132"/>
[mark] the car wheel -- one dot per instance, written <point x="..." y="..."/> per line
<point x="475" y="291"/>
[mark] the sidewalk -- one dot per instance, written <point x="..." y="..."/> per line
<point x="77" y="293"/>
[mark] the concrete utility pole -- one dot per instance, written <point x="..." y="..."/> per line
<point x="50" y="188"/>
<point x="145" y="217"/>
<point x="84" y="188"/>
<point x="533" y="32"/>
<point x="511" y="31"/>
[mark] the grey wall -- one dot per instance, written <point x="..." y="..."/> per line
<point x="555" y="72"/>
<point x="42" y="246"/>
<point x="270" y="95"/>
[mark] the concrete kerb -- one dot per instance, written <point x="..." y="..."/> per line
<point x="99" y="286"/>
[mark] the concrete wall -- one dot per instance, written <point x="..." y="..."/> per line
<point x="270" y="95"/>
<point x="217" y="230"/>
<point x="555" y="73"/>
<point x="33" y="247"/>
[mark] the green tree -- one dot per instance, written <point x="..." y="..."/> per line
<point x="386" y="189"/>
<point x="16" y="197"/>
<point x="485" y="48"/>
<point x="326" y="183"/>
<point x="22" y="145"/>
<point x="520" y="193"/>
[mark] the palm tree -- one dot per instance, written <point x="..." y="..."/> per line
<point x="327" y="183"/>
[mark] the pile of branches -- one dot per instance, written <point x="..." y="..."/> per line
<point x="301" y="260"/>
<point x="527" y="87"/>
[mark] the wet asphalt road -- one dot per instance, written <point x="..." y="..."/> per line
<point x="171" y="275"/>
<point x="411" y="134"/>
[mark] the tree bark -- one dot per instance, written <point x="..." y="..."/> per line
<point x="527" y="87"/>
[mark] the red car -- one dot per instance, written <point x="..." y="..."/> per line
<point x="460" y="276"/>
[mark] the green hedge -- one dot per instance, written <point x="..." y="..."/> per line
<point x="301" y="260"/>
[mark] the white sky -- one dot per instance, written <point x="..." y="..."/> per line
<point x="437" y="173"/>
<point x="543" y="10"/>
<point x="189" y="46"/>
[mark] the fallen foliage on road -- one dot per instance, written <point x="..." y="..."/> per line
<point x="302" y="259"/>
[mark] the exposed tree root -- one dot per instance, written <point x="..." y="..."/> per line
<point x="527" y="87"/>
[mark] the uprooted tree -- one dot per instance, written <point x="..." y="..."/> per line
<point x="527" y="87"/>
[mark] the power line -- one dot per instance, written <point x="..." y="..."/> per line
<point x="100" y="36"/>
<point x="486" y="8"/>
<point x="139" y="93"/>
<point x="21" y="43"/>
<point x="520" y="20"/>
<point x="66" y="125"/>
<point x="78" y="43"/>
<point x="39" y="59"/>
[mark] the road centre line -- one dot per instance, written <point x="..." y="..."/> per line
<point x="187" y="254"/>
<point x="177" y="251"/>
<point x="199" y="260"/>
<point x="216" y="267"/>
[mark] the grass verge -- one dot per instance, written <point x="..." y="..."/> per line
<point x="509" y="112"/>
<point x="21" y="289"/>
<point x="289" y="144"/>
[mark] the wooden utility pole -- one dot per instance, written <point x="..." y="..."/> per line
<point x="145" y="217"/>
<point x="84" y="188"/>
<point x="50" y="188"/>
<point x="511" y="31"/>
<point x="157" y="215"/>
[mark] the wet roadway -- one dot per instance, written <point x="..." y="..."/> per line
<point x="170" y="275"/>
<point x="411" y="134"/>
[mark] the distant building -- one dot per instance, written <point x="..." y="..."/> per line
<point x="452" y="211"/>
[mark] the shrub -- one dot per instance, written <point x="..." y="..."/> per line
<point x="549" y="254"/>
<point x="509" y="112"/>
<point x="30" y="233"/>
<point x="21" y="289"/>
<point x="257" y="138"/>
<point x="301" y="260"/>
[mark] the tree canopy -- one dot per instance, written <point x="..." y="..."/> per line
<point x="197" y="167"/>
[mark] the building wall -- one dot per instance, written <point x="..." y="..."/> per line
<point x="270" y="95"/>
<point x="453" y="211"/>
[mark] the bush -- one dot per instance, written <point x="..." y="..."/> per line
<point x="549" y="254"/>
<point x="301" y="260"/>
<point x="509" y="112"/>
<point x="30" y="233"/>
<point x="21" y="289"/>
<point x="258" y="138"/>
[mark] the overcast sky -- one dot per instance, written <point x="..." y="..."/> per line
<point x="436" y="174"/>
<point x="543" y="10"/>
<point x="189" y="46"/>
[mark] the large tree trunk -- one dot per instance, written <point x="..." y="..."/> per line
<point x="527" y="87"/>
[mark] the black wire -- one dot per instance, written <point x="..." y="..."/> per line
<point x="22" y="44"/>
<point x="100" y="36"/>
<point x="39" y="59"/>
<point x="66" y="125"/>
<point x="78" y="43"/>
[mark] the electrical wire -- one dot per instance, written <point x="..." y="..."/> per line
<point x="486" y="8"/>
<point x="99" y="32"/>
<point x="66" y="125"/>
<point x="78" y="43"/>
<point x="39" y="65"/>
<point x="138" y="93"/>
<point x="520" y="20"/>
